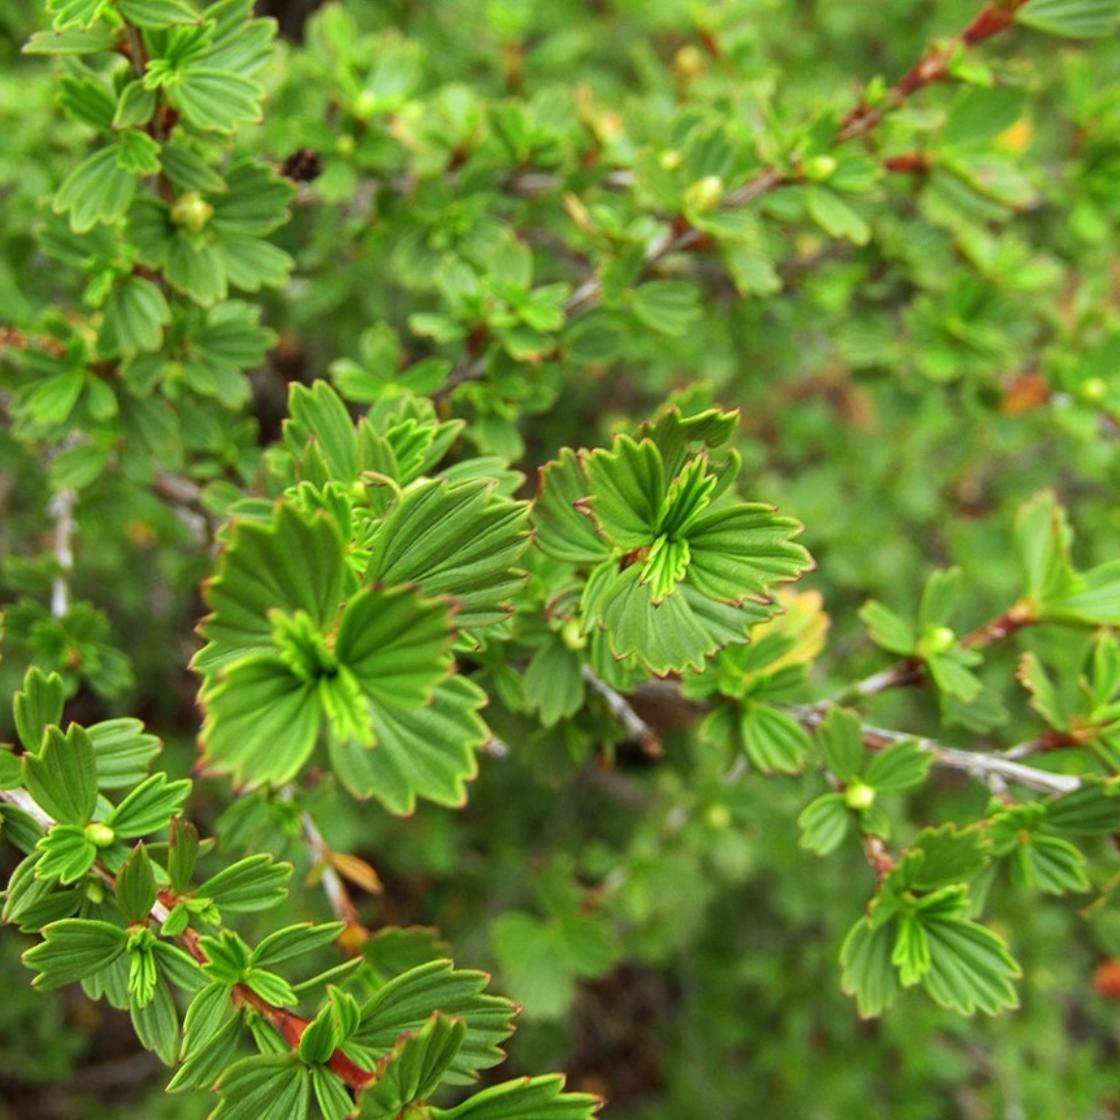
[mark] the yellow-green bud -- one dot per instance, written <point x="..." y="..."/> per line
<point x="670" y="159"/>
<point x="938" y="639"/>
<point x="192" y="211"/>
<point x="704" y="194"/>
<point x="859" y="796"/>
<point x="365" y="105"/>
<point x="1093" y="390"/>
<point x="819" y="168"/>
<point x="570" y="635"/>
<point x="718" y="816"/>
<point x="100" y="835"/>
<point x="345" y="145"/>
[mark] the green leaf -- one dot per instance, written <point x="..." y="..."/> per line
<point x="74" y="949"/>
<point x="970" y="967"/>
<point x="528" y="1098"/>
<point x="840" y="741"/>
<point x="626" y="488"/>
<point x="773" y="740"/>
<point x="62" y="776"/>
<point x="135" y="315"/>
<point x="824" y="823"/>
<point x="868" y="973"/>
<point x="743" y="551"/>
<point x="295" y="941"/>
<point x="264" y="1087"/>
<point x="1043" y="541"/>
<point x="888" y="630"/>
<point x="397" y="645"/>
<point x="292" y="563"/>
<point x="181" y="165"/>
<point x="135" y="108"/>
<point x="553" y="682"/>
<point x="255" y="883"/>
<point x="99" y="189"/>
<point x="123" y="751"/>
<point x="835" y="216"/>
<point x="157" y="13"/>
<point x="67" y="854"/>
<point x="911" y="953"/>
<point x="413" y="1069"/>
<point x="667" y="306"/>
<point x="940" y="598"/>
<point x="204" y="1062"/>
<point x="262" y="721"/>
<point x="457" y="539"/>
<point x="318" y="416"/>
<point x="947" y="855"/>
<point x="157" y="1024"/>
<point x="73" y="40"/>
<point x="406" y="1002"/>
<point x="36" y="705"/>
<point x="149" y="807"/>
<point x="331" y="1094"/>
<point x="563" y="529"/>
<point x="1050" y="864"/>
<point x="424" y="752"/>
<point x="1074" y="19"/>
<point x="136" y="886"/>
<point x="900" y="767"/>
<point x="1092" y="810"/>
<point x="214" y="100"/>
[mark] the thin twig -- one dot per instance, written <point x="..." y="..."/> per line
<point x="62" y="510"/>
<point x="977" y="764"/>
<point x="636" y="727"/>
<point x="333" y="886"/>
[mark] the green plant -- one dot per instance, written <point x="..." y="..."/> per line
<point x="907" y="298"/>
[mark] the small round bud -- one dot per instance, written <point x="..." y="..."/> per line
<point x="94" y="891"/>
<point x="704" y="194"/>
<point x="365" y="105"/>
<point x="688" y="63"/>
<point x="345" y="145"/>
<point x="939" y="639"/>
<point x="571" y="637"/>
<point x="1092" y="390"/>
<point x="192" y="211"/>
<point x="859" y="796"/>
<point x="718" y="816"/>
<point x="819" y="168"/>
<point x="100" y="835"/>
<point x="670" y="159"/>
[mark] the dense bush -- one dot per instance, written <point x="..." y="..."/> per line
<point x="451" y="362"/>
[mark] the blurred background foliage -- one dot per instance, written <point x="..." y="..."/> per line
<point x="902" y="390"/>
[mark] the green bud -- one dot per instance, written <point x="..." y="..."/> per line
<point x="365" y="105"/>
<point x="1092" y="390"/>
<point x="345" y="145"/>
<point x="718" y="816"/>
<point x="670" y="160"/>
<point x="704" y="194"/>
<point x="191" y="211"/>
<point x="571" y="637"/>
<point x="100" y="835"/>
<point x="859" y="796"/>
<point x="819" y="168"/>
<point x="95" y="892"/>
<point x="938" y="639"/>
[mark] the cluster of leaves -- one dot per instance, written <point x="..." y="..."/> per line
<point x="513" y="535"/>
